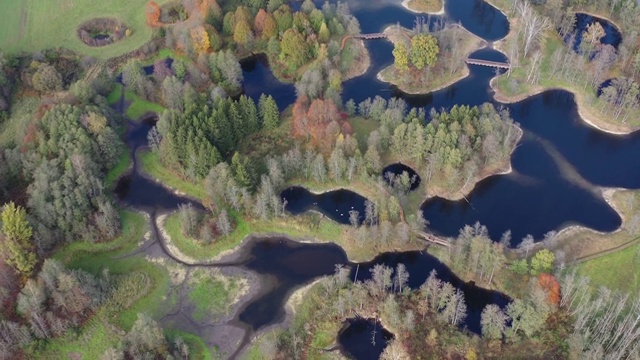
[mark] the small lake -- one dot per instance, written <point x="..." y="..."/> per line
<point x="336" y="204"/>
<point x="394" y="171"/>
<point x="285" y="265"/>
<point x="612" y="35"/>
<point x="363" y="339"/>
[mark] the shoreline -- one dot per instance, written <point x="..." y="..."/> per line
<point x="578" y="98"/>
<point x="464" y="72"/>
<point x="462" y="192"/>
<point x="356" y="71"/>
<point x="405" y="4"/>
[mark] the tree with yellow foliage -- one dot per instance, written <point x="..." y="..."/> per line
<point x="15" y="239"/>
<point x="200" y="39"/>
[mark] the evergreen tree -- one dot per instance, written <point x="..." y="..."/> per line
<point x="16" y="247"/>
<point x="269" y="112"/>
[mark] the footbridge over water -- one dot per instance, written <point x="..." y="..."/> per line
<point x="371" y="36"/>
<point x="489" y="63"/>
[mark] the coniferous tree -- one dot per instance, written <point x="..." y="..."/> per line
<point x="16" y="246"/>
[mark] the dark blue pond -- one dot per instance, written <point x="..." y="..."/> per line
<point x="290" y="264"/>
<point x="260" y="80"/>
<point x="334" y="204"/>
<point x="286" y="264"/>
<point x="148" y="70"/>
<point x="363" y="339"/>
<point x="612" y="35"/>
<point x="396" y="170"/>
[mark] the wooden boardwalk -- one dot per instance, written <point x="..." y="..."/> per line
<point x="495" y="64"/>
<point x="432" y="239"/>
<point x="371" y="36"/>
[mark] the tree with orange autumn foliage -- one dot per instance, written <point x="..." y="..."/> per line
<point x="320" y="121"/>
<point x="200" y="39"/>
<point x="258" y="22"/>
<point x="153" y="14"/>
<point x="551" y="286"/>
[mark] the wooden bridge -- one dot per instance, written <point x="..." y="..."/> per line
<point x="371" y="36"/>
<point x="432" y="239"/>
<point x="495" y="64"/>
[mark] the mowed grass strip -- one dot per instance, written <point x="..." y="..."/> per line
<point x="32" y="25"/>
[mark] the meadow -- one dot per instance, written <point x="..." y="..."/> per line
<point x="32" y="25"/>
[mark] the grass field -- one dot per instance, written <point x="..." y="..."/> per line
<point x="31" y="25"/>
<point x="617" y="271"/>
<point x="151" y="165"/>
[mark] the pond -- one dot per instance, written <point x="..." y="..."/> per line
<point x="284" y="265"/>
<point x="363" y="339"/>
<point x="612" y="35"/>
<point x="336" y="205"/>
<point x="401" y="175"/>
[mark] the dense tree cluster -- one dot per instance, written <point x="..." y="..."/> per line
<point x="6" y="86"/>
<point x="63" y="161"/>
<point x="454" y="145"/>
<point x="473" y="252"/>
<point x="51" y="303"/>
<point x="425" y="320"/>
<point x="209" y="130"/>
<point x="605" y="322"/>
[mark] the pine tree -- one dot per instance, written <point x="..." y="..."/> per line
<point x="269" y="112"/>
<point x="324" y="34"/>
<point x="241" y="171"/>
<point x="16" y="247"/>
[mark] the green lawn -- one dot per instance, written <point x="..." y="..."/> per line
<point x="137" y="106"/>
<point x="617" y="271"/>
<point x="151" y="165"/>
<point x="31" y="25"/>
<point x="124" y="162"/>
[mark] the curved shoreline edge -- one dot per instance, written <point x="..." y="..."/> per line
<point x="405" y="4"/>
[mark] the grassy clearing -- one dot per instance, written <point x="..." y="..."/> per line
<point x="31" y="25"/>
<point x="425" y="6"/>
<point x="614" y="269"/>
<point x="90" y="256"/>
<point x="212" y="295"/>
<point x="13" y="129"/>
<point x="151" y="165"/>
<point x="620" y="270"/>
<point x="137" y="106"/>
<point x="124" y="163"/>
<point x="361" y="129"/>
